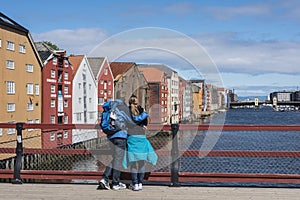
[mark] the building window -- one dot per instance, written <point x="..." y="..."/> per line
<point x="90" y="86"/>
<point x="109" y="92"/>
<point x="37" y="121"/>
<point x="79" y="100"/>
<point x="29" y="67"/>
<point x="78" y="117"/>
<point x="10" y="64"/>
<point x="30" y="122"/>
<point x="22" y="48"/>
<point x="11" y="107"/>
<point x="79" y="85"/>
<point x="37" y="89"/>
<point x="66" y="89"/>
<point x="100" y="101"/>
<point x="66" y="76"/>
<point x="10" y="45"/>
<point x="109" y="82"/>
<point x="66" y="134"/>
<point x="66" y="103"/>
<point x="52" y="88"/>
<point x="10" y="87"/>
<point x="66" y="63"/>
<point x="52" y="136"/>
<point x="52" y="119"/>
<point x="90" y="100"/>
<point x="11" y="131"/>
<point x="54" y="61"/>
<point x="52" y="103"/>
<point x="29" y="87"/>
<point x="66" y="119"/>
<point x="52" y="73"/>
<point x="29" y="106"/>
<point x="101" y="82"/>
<point x="105" y="71"/>
<point x="91" y="116"/>
<point x="101" y="92"/>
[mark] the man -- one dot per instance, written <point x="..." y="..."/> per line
<point x="118" y="146"/>
<point x="118" y="142"/>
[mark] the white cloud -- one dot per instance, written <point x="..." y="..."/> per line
<point x="252" y="57"/>
<point x="241" y="62"/>
<point x="180" y="8"/>
<point x="261" y="84"/>
<point x="79" y="41"/>
<point x="225" y="13"/>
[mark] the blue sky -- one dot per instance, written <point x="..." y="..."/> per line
<point x="255" y="45"/>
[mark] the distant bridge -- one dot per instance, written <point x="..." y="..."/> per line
<point x="252" y="103"/>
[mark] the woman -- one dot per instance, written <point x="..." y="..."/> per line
<point x="139" y="147"/>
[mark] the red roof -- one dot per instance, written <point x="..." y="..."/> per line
<point x="152" y="74"/>
<point x="119" y="68"/>
<point x="75" y="62"/>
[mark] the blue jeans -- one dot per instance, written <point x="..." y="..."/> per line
<point x="138" y="172"/>
<point x="107" y="171"/>
<point x="118" y="147"/>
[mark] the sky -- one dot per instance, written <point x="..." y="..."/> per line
<point x="251" y="46"/>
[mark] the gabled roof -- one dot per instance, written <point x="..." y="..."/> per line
<point x="162" y="67"/>
<point x="11" y="25"/>
<point x="44" y="50"/>
<point x="95" y="64"/>
<point x="6" y="21"/>
<point x="152" y="74"/>
<point x="75" y="62"/>
<point x="119" y="68"/>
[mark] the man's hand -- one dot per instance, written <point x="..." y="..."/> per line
<point x="140" y="108"/>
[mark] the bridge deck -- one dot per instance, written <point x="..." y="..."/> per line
<point x="30" y="191"/>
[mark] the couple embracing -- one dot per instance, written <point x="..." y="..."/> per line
<point x="130" y="149"/>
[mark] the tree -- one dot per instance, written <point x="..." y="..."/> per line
<point x="50" y="44"/>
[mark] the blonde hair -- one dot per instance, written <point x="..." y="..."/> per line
<point x="133" y="103"/>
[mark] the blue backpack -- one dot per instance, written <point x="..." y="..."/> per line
<point x="115" y="117"/>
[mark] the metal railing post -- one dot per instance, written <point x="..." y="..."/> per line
<point x="175" y="157"/>
<point x="19" y="153"/>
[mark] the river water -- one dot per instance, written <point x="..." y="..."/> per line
<point x="260" y="140"/>
<point x="240" y="140"/>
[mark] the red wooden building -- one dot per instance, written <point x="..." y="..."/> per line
<point x="104" y="78"/>
<point x="57" y="95"/>
<point x="157" y="81"/>
<point x="105" y="82"/>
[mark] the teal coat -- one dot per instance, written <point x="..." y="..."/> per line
<point x="139" y="148"/>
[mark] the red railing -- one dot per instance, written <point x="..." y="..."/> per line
<point x="174" y="176"/>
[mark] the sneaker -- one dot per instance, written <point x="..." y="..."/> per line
<point x="135" y="187"/>
<point x="118" y="187"/>
<point x="103" y="184"/>
<point x="140" y="186"/>
<point x="122" y="185"/>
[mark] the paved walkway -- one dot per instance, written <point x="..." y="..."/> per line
<point x="30" y="191"/>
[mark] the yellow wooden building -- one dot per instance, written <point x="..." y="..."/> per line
<point x="20" y="88"/>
